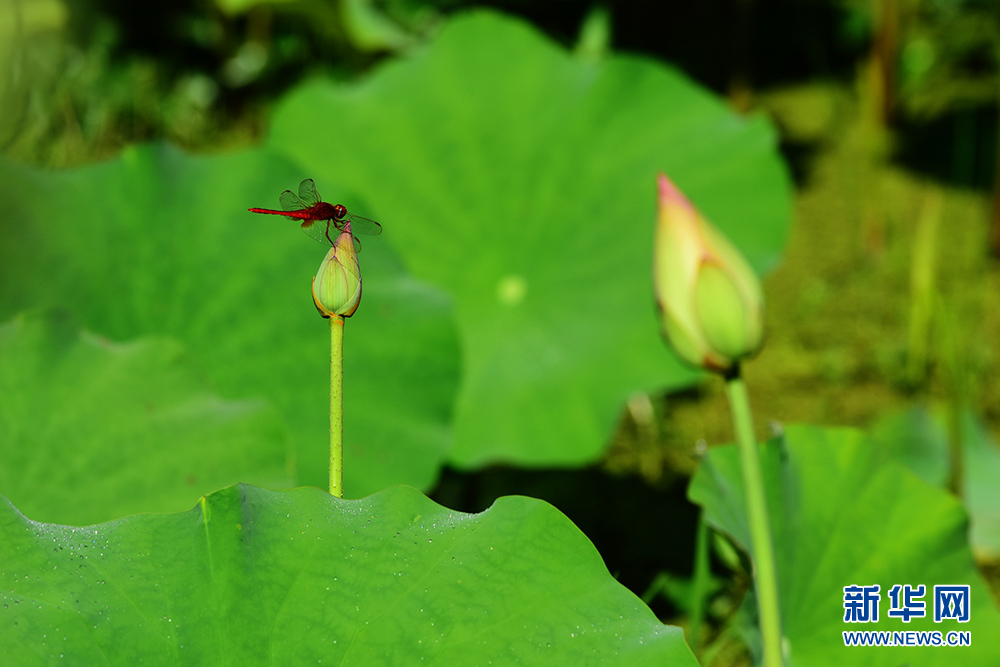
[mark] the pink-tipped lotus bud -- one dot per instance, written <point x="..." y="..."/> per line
<point x="710" y="299"/>
<point x="337" y="286"/>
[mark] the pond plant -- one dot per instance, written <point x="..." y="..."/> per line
<point x="712" y="312"/>
<point x="161" y="370"/>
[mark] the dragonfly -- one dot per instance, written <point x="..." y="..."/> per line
<point x="321" y="220"/>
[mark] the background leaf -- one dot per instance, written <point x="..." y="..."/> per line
<point x="522" y="181"/>
<point x="842" y="515"/>
<point x="92" y="430"/>
<point x="299" y="577"/>
<point x="918" y="438"/>
<point x="159" y="242"/>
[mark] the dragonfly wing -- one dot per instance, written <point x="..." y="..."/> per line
<point x="327" y="232"/>
<point x="361" y="225"/>
<point x="321" y="230"/>
<point x="290" y="202"/>
<point x="307" y="192"/>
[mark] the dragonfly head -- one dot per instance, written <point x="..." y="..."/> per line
<point x="339" y="212"/>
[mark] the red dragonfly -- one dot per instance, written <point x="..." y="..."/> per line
<point x="320" y="220"/>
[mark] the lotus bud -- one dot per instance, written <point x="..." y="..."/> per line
<point x="336" y="288"/>
<point x="710" y="299"/>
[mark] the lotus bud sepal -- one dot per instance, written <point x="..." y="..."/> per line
<point x="710" y="299"/>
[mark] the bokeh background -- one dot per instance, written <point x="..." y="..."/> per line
<point x="849" y="147"/>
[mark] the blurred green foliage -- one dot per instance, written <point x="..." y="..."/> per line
<point x="919" y="438"/>
<point x="80" y="80"/>
<point x="516" y="179"/>
<point x="950" y="56"/>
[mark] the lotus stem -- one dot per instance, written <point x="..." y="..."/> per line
<point x="337" y="406"/>
<point x="765" y="571"/>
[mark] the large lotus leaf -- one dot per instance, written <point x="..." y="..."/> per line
<point x="843" y="515"/>
<point x="524" y="183"/>
<point x="91" y="430"/>
<point x="255" y="577"/>
<point x="918" y="438"/>
<point x="159" y="242"/>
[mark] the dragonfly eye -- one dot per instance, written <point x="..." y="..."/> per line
<point x="339" y="211"/>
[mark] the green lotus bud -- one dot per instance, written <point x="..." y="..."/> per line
<point x="710" y="300"/>
<point x="337" y="286"/>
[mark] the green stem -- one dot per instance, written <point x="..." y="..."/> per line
<point x="337" y="406"/>
<point x="765" y="572"/>
<point x="700" y="580"/>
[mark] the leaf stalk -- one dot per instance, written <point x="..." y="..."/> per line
<point x="765" y="570"/>
<point x="336" y="406"/>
